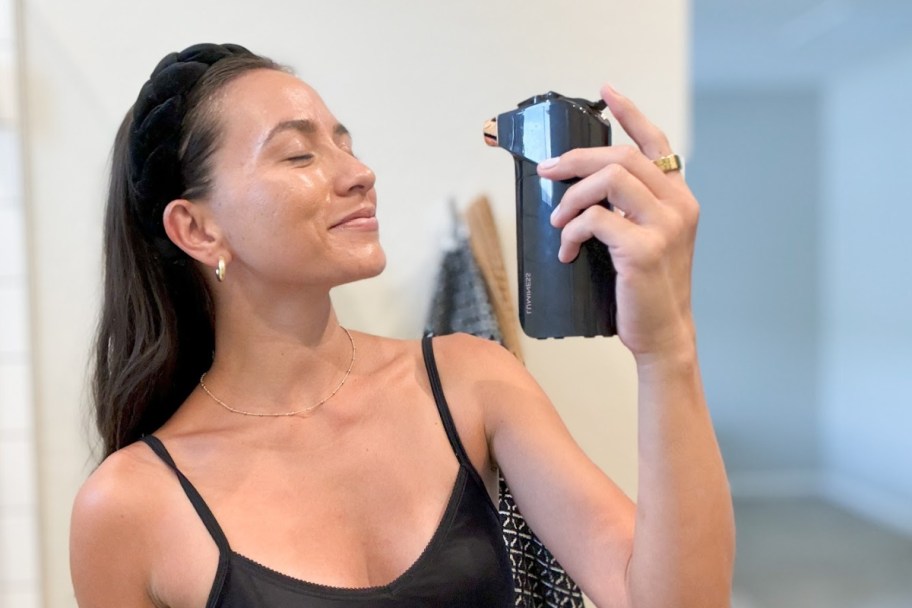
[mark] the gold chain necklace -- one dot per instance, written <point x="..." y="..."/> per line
<point x="305" y="410"/>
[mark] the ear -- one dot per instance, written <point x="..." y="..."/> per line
<point x="190" y="226"/>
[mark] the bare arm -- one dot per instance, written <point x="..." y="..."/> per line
<point x="683" y="551"/>
<point x="108" y="549"/>
<point x="676" y="547"/>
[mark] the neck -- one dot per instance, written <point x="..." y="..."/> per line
<point x="276" y="354"/>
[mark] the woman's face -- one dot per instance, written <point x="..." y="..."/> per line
<point x="293" y="202"/>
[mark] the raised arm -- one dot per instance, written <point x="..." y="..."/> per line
<point x="676" y="547"/>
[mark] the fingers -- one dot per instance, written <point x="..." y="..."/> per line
<point x="582" y="162"/>
<point x="650" y="139"/>
<point x="655" y="204"/>
<point x="599" y="222"/>
<point x="615" y="183"/>
<point x="625" y="175"/>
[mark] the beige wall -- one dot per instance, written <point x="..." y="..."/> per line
<point x="414" y="82"/>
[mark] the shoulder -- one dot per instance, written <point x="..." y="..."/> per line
<point x="471" y="352"/>
<point x="480" y="378"/>
<point x="118" y="486"/>
<point x="110" y="536"/>
<point x="484" y="367"/>
<point x="486" y="375"/>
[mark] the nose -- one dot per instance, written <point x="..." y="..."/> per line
<point x="354" y="175"/>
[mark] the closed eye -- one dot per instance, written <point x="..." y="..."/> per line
<point x="300" y="158"/>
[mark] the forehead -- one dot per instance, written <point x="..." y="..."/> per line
<point x="255" y="102"/>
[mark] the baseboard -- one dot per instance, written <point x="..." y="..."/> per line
<point x="796" y="483"/>
<point x="886" y="508"/>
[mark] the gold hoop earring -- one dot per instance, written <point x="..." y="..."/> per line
<point x="220" y="270"/>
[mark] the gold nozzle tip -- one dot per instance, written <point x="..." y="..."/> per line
<point x="490" y="132"/>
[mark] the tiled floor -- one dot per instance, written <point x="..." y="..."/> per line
<point x="809" y="554"/>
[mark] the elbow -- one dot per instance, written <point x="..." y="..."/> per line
<point x="701" y="580"/>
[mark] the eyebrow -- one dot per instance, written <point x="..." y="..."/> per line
<point x="302" y="125"/>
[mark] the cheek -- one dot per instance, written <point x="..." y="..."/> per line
<point x="260" y="207"/>
<point x="277" y="204"/>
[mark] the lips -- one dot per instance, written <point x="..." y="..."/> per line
<point x="360" y="216"/>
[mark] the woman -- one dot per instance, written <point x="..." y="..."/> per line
<point x="259" y="454"/>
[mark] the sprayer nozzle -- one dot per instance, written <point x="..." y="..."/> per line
<point x="490" y="132"/>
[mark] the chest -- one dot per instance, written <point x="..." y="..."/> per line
<point x="357" y="508"/>
<point x="359" y="522"/>
<point x="458" y="553"/>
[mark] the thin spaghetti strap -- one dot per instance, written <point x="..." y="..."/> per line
<point x="430" y="363"/>
<point x="195" y="499"/>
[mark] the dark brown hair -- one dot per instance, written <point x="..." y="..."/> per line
<point x="156" y="330"/>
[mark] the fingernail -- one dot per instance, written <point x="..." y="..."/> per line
<point x="554" y="213"/>
<point x="548" y="162"/>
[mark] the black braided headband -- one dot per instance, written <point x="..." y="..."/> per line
<point x="155" y="174"/>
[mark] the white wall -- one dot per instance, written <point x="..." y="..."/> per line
<point x="19" y="567"/>
<point x="866" y="291"/>
<point x="413" y="81"/>
<point x="755" y="169"/>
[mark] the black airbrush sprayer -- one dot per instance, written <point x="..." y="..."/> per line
<point x="555" y="299"/>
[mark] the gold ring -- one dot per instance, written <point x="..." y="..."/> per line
<point x="670" y="162"/>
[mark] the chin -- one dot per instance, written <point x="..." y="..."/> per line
<point x="378" y="266"/>
<point x="368" y="266"/>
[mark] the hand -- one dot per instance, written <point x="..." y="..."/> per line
<point x="650" y="233"/>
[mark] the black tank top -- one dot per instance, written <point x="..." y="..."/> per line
<point x="465" y="564"/>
